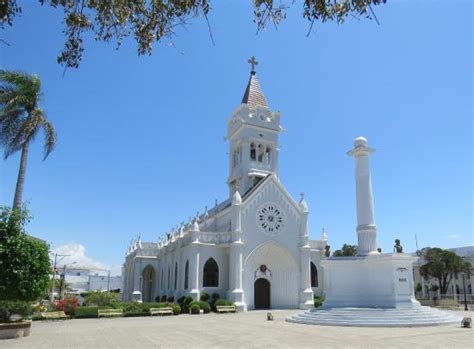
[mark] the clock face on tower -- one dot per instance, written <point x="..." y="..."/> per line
<point x="270" y="219"/>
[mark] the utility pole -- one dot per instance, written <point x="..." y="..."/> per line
<point x="108" y="282"/>
<point x="56" y="255"/>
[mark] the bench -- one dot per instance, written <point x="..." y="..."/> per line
<point x="225" y="308"/>
<point x="109" y="312"/>
<point x="161" y="311"/>
<point x="55" y="315"/>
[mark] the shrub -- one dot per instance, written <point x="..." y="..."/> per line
<point x="132" y="307"/>
<point x="146" y="306"/>
<point x="223" y="302"/>
<point x="194" y="308"/>
<point x="170" y="299"/>
<point x="8" y="308"/>
<point x="24" y="261"/>
<point x="68" y="304"/>
<point x="101" y="298"/>
<point x="215" y="296"/>
<point x="204" y="297"/>
<point x="176" y="309"/>
<point x="86" y="312"/>
<point x="186" y="302"/>
<point x="85" y="294"/>
<point x="157" y="298"/>
<point x="163" y="299"/>
<point x="318" y="301"/>
<point x="180" y="300"/>
<point x="205" y="307"/>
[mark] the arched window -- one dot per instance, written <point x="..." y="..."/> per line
<point x="261" y="151"/>
<point x="186" y="275"/>
<point x="268" y="157"/>
<point x="176" y="276"/>
<point x="253" y="152"/>
<point x="211" y="274"/>
<point x="314" y="275"/>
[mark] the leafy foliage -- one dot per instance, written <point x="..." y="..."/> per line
<point x="153" y="21"/>
<point x="346" y="251"/>
<point x="21" y="119"/>
<point x="24" y="261"/>
<point x="176" y="309"/>
<point x="101" y="298"/>
<point x="8" y="308"/>
<point x="204" y="297"/>
<point x="86" y="312"/>
<point x="67" y="304"/>
<point x="204" y="306"/>
<point x="195" y="309"/>
<point x="132" y="307"/>
<point x="442" y="265"/>
<point x="318" y="301"/>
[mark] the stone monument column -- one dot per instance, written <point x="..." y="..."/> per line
<point x="366" y="228"/>
<point x="235" y="255"/>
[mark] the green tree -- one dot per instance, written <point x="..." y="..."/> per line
<point x="346" y="251"/>
<point x="442" y="265"/>
<point x="24" y="261"/>
<point x="20" y="121"/>
<point x="153" y="21"/>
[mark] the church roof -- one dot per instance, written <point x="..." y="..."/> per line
<point x="253" y="95"/>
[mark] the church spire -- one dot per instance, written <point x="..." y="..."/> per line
<point x="253" y="95"/>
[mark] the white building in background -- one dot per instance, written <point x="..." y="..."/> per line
<point x="80" y="279"/>
<point x="252" y="248"/>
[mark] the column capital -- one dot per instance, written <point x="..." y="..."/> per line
<point x="361" y="148"/>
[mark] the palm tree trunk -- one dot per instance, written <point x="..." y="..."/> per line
<point x="20" y="182"/>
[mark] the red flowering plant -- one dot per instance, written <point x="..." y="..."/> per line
<point x="68" y="304"/>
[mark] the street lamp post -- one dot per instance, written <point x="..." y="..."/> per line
<point x="464" y="287"/>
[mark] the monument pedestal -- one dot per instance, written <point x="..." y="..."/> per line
<point x="375" y="281"/>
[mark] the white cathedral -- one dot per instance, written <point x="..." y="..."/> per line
<point x="252" y="248"/>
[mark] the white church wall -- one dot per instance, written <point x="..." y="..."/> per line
<point x="221" y="256"/>
<point x="282" y="273"/>
<point x="253" y="236"/>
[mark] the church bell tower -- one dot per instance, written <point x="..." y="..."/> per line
<point x="252" y="132"/>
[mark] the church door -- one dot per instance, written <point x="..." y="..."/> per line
<point x="262" y="294"/>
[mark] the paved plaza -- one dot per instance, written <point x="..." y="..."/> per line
<point x="243" y="330"/>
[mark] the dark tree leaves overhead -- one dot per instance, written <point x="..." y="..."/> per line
<point x="150" y="21"/>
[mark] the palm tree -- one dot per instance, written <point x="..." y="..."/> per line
<point x="21" y="119"/>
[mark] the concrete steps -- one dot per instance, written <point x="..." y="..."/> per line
<point x="375" y="317"/>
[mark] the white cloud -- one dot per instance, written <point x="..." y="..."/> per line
<point x="77" y="255"/>
<point x="453" y="236"/>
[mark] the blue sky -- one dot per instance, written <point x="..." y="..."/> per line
<point x="141" y="144"/>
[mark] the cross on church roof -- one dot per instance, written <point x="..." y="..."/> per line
<point x="253" y="62"/>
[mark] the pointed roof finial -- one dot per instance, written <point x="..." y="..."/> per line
<point x="254" y="63"/>
<point x="323" y="234"/>
<point x="236" y="198"/>
<point x="303" y="204"/>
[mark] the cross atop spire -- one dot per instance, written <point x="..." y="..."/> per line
<point x="253" y="62"/>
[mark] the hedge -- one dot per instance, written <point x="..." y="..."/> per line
<point x="86" y="312"/>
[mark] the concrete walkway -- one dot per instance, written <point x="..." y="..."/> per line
<point x="245" y="330"/>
